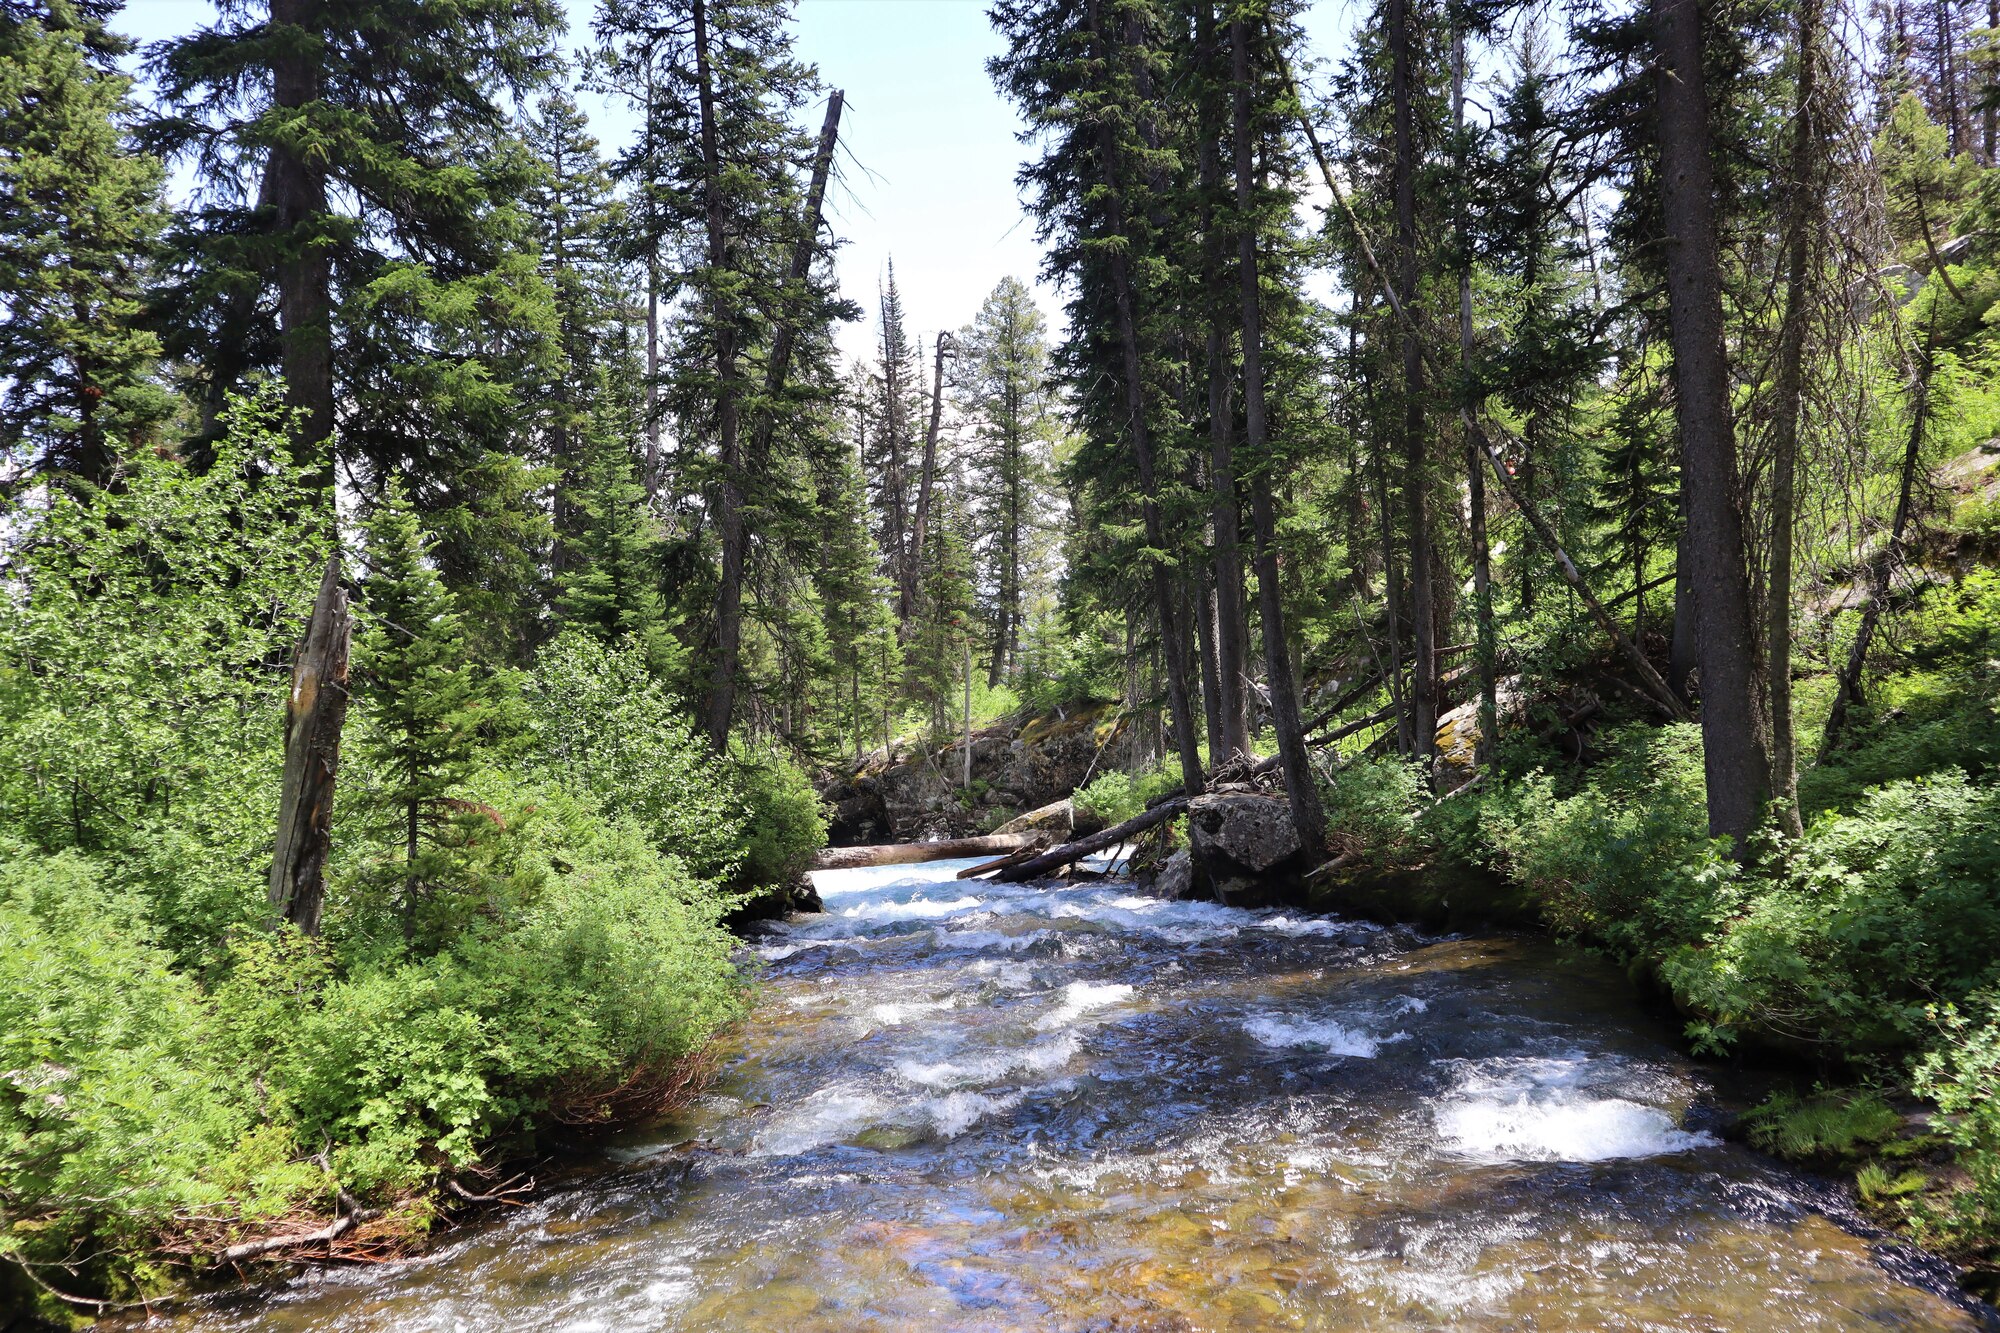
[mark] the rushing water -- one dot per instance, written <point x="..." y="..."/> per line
<point x="962" y="1105"/>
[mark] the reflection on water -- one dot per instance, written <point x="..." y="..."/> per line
<point x="971" y="1106"/>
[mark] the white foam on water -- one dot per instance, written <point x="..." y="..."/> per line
<point x="1042" y="1058"/>
<point x="832" y="884"/>
<point x="1323" y="1034"/>
<point x="989" y="939"/>
<point x="827" y="1116"/>
<point x="1556" y="1109"/>
<point x="1079" y="998"/>
<point x="894" y="1013"/>
<point x="914" y="909"/>
<point x="1283" y="924"/>
<point x="956" y="1112"/>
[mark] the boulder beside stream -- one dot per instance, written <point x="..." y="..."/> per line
<point x="1243" y="850"/>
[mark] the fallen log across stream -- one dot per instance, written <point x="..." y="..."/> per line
<point x="909" y="853"/>
<point x="1096" y="842"/>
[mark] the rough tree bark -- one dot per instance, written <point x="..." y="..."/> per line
<point x="1734" y="757"/>
<point x="297" y="189"/>
<point x="315" y="710"/>
<point x="1487" y="649"/>
<point x="1416" y="462"/>
<point x="721" y="703"/>
<point x="1788" y="391"/>
<point x="1302" y="792"/>
<point x="1225" y="512"/>
<point x="1173" y="641"/>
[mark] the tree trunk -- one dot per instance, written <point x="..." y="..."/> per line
<point x="1225" y="511"/>
<point x="315" y="710"/>
<point x="729" y="507"/>
<point x="1173" y="644"/>
<point x="1302" y="791"/>
<point x="1789" y="394"/>
<point x="778" y="364"/>
<point x="1734" y="758"/>
<point x="1096" y="842"/>
<point x="911" y="853"/>
<point x="298" y="190"/>
<point x="1416" y="463"/>
<point x="928" y="476"/>
<point x="1882" y="570"/>
<point x="1486" y="651"/>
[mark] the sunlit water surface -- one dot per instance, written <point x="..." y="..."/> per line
<point x="961" y="1105"/>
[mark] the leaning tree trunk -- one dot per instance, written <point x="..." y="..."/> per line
<point x="1308" y="815"/>
<point x="1734" y="759"/>
<point x="1882" y="570"/>
<point x="314" y="712"/>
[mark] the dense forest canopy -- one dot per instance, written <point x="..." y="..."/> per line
<point x="1556" y="437"/>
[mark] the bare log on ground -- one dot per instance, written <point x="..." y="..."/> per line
<point x="352" y="1215"/>
<point x="910" y="853"/>
<point x="1096" y="842"/>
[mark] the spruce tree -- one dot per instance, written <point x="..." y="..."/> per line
<point x="80" y="216"/>
<point x="432" y="712"/>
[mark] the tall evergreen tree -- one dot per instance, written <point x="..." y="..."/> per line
<point x="80" y="217"/>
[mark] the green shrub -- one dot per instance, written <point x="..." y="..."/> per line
<point x="603" y="724"/>
<point x="1882" y="911"/>
<point x="784" y="823"/>
<point x="1825" y="1124"/>
<point x="1373" y="805"/>
<point x="1115" y="796"/>
<point x="1963" y="1077"/>
<point x="1627" y="860"/>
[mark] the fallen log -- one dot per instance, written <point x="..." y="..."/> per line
<point x="1096" y="842"/>
<point x="1012" y="858"/>
<point x="909" y="853"/>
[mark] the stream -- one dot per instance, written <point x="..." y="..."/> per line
<point x="965" y="1105"/>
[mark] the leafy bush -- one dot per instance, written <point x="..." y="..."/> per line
<point x="1883" y="911"/>
<point x="1627" y="860"/>
<point x="1373" y="805"/>
<point x="603" y="724"/>
<point x="1116" y="796"/>
<point x="1963" y="1077"/>
<point x="784" y="821"/>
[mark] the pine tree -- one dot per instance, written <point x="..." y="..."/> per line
<point x="1003" y="389"/>
<point x="433" y="713"/>
<point x="611" y="585"/>
<point x="80" y="216"/>
<point x="381" y="267"/>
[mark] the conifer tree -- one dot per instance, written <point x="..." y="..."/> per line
<point x="80" y="216"/>
<point x="432" y="712"/>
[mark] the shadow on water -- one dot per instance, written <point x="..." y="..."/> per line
<point x="962" y="1105"/>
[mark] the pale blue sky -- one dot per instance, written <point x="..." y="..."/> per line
<point x="930" y="148"/>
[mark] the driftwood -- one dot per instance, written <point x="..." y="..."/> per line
<point x="909" y="853"/>
<point x="315" y="711"/>
<point x="1096" y="842"/>
<point x="351" y="1216"/>
<point x="988" y="867"/>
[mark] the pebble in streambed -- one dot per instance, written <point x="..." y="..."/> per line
<point x="965" y="1105"/>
